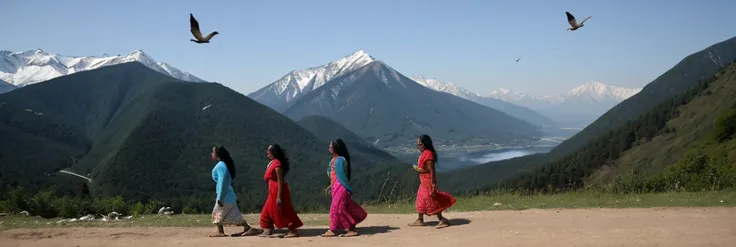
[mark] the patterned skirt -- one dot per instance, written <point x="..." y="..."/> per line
<point x="228" y="214"/>
<point x="344" y="212"/>
<point x="432" y="205"/>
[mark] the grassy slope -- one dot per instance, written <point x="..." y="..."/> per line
<point x="695" y="171"/>
<point x="685" y="74"/>
<point x="692" y="126"/>
<point x="144" y="136"/>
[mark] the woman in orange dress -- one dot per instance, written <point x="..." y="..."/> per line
<point x="278" y="209"/>
<point x="430" y="200"/>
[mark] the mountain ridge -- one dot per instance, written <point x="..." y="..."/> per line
<point x="577" y="107"/>
<point x="365" y="101"/>
<point x="518" y="111"/>
<point x="34" y="66"/>
<point x="594" y="89"/>
<point x="295" y="84"/>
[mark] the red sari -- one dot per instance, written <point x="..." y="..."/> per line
<point x="426" y="203"/>
<point x="271" y="214"/>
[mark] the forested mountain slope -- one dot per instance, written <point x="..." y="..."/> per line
<point x="143" y="135"/>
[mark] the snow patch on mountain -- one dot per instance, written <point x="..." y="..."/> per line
<point x="34" y="66"/>
<point x="450" y="88"/>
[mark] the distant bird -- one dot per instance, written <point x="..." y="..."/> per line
<point x="194" y="27"/>
<point x="517" y="60"/>
<point x="573" y="23"/>
<point x="207" y="106"/>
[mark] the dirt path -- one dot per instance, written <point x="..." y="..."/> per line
<point x="551" y="227"/>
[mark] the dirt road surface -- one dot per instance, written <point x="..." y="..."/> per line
<point x="544" y="227"/>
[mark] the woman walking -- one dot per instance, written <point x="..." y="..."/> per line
<point x="226" y="210"/>
<point x="278" y="209"/>
<point x="345" y="214"/>
<point x="430" y="200"/>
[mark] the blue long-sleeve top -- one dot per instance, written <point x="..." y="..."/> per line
<point x="340" y="172"/>
<point x="221" y="175"/>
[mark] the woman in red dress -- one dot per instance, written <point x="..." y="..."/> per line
<point x="430" y="200"/>
<point x="278" y="209"/>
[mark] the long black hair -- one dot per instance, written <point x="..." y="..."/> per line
<point x="224" y="156"/>
<point x="427" y="142"/>
<point x="342" y="150"/>
<point x="280" y="154"/>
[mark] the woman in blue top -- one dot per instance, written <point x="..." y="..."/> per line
<point x="226" y="210"/>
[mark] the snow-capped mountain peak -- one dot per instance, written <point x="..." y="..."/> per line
<point x="599" y="91"/>
<point x="34" y="66"/>
<point x="299" y="82"/>
<point x="446" y="87"/>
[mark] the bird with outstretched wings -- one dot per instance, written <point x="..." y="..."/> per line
<point x="574" y="25"/>
<point x="194" y="27"/>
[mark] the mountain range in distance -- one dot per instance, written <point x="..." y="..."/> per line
<point x="577" y="108"/>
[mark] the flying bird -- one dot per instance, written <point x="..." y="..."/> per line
<point x="207" y="106"/>
<point x="194" y="27"/>
<point x="573" y="23"/>
<point x="517" y="60"/>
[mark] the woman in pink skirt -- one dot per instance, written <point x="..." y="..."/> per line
<point x="345" y="214"/>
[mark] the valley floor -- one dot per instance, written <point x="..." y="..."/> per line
<point x="696" y="226"/>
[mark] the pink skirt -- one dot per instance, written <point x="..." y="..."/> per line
<point x="344" y="212"/>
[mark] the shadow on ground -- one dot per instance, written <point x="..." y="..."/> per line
<point x="365" y="231"/>
<point x="453" y="222"/>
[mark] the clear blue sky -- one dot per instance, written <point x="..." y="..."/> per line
<point x="471" y="43"/>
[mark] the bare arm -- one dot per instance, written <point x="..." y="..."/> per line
<point x="280" y="180"/>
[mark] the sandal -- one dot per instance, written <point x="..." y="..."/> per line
<point x="443" y="223"/>
<point x="418" y="223"/>
<point x="349" y="234"/>
<point x="328" y="233"/>
<point x="291" y="235"/>
<point x="266" y="233"/>
<point x="250" y="232"/>
<point x="217" y="235"/>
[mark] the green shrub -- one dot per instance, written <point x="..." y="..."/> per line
<point x="42" y="204"/>
<point x="152" y="206"/>
<point x="68" y="207"/>
<point x="698" y="171"/>
<point x="137" y="209"/>
<point x="109" y="204"/>
<point x="16" y="200"/>
<point x="725" y="127"/>
<point x="188" y="210"/>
